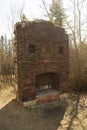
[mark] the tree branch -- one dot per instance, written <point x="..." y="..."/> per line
<point x="46" y="8"/>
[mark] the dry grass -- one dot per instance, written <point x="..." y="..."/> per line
<point x="6" y="95"/>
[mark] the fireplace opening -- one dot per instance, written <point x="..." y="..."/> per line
<point x="47" y="81"/>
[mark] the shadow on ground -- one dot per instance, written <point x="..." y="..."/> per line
<point x="15" y="117"/>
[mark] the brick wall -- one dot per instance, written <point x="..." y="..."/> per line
<point x="39" y="48"/>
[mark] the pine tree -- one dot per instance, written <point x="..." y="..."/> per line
<point x="56" y="11"/>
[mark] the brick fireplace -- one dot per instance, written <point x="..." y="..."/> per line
<point x="41" y="58"/>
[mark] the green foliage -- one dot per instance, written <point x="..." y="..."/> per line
<point x="56" y="11"/>
<point x="24" y="17"/>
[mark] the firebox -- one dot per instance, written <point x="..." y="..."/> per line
<point x="47" y="81"/>
<point x="41" y="58"/>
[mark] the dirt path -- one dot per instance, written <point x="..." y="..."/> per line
<point x="15" y="117"/>
<point x="75" y="117"/>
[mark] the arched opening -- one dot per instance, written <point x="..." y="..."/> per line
<point x="47" y="81"/>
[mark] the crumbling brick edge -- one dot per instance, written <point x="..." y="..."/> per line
<point x="52" y="98"/>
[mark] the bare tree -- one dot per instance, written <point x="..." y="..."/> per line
<point x="77" y="40"/>
<point x="15" y="14"/>
<point x="47" y="12"/>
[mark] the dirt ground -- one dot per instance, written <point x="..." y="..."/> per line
<point x="13" y="116"/>
<point x="75" y="117"/>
